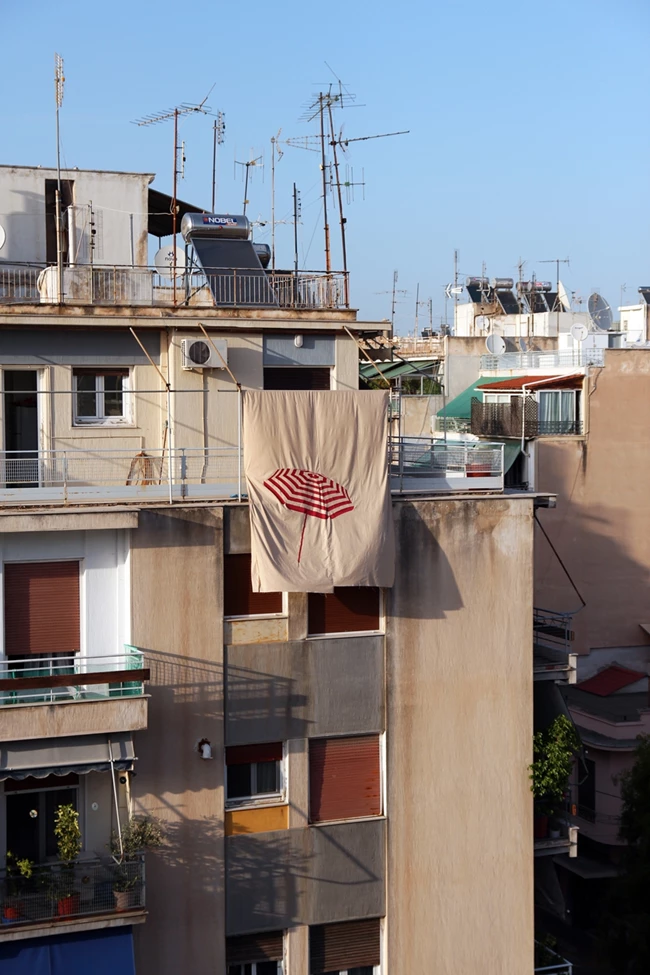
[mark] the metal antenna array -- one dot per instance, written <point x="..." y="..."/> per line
<point x="395" y="291"/>
<point x="185" y="108"/>
<point x="219" y="134"/>
<point x="557" y="261"/>
<point x="253" y="162"/>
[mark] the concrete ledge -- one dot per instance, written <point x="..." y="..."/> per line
<point x="63" y="519"/>
<point x="22" y="722"/>
<point x="72" y="926"/>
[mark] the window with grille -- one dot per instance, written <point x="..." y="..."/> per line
<point x="254" y="773"/>
<point x="352" y="609"/>
<point x="238" y="595"/>
<point x="344" y="778"/>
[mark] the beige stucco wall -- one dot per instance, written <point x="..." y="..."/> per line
<point x="178" y="617"/>
<point x="459" y="739"/>
<point x="601" y="524"/>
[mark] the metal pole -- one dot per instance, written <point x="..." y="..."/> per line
<point x="170" y="462"/>
<point x="340" y="198"/>
<point x="417" y="309"/>
<point x="117" y="805"/>
<point x="239" y="427"/>
<point x="273" y="202"/>
<point x="59" y="241"/>
<point x="175" y="181"/>
<point x="295" y="244"/>
<point x="455" y="286"/>
<point x="246" y="188"/>
<point x="132" y="242"/>
<point x="214" y="165"/>
<point x="328" y="263"/>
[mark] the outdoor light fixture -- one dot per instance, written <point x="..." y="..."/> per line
<point x="204" y="749"/>
<point x="298" y="341"/>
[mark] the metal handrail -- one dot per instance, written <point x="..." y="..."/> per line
<point x="48" y="678"/>
<point x="554" y="358"/>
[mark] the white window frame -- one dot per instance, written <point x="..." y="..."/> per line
<point x="126" y="419"/>
<point x="254" y="964"/>
<point x="283" y="614"/>
<point x="261" y="798"/>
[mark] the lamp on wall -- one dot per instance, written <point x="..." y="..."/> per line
<point x="204" y="748"/>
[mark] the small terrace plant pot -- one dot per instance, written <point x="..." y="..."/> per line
<point x="125" y="899"/>
<point x="68" y="905"/>
<point x="12" y="910"/>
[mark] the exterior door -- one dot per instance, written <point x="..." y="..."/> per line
<point x="21" y="425"/>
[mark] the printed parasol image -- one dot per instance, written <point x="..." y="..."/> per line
<point x="310" y="493"/>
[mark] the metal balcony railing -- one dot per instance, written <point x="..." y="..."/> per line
<point x="146" y="286"/>
<point x="68" y="677"/>
<point x="432" y="463"/>
<point x="506" y="420"/>
<point x="554" y="359"/>
<point x="548" y="962"/>
<point x="56" y="892"/>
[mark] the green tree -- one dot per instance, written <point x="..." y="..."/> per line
<point x="554" y="752"/>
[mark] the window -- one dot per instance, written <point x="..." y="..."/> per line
<point x="344" y="778"/>
<point x="255" y="954"/>
<point x="351" y="947"/>
<point x="353" y="609"/>
<point x="41" y="602"/>
<point x="31" y="807"/>
<point x="239" y="598"/>
<point x="559" y="411"/>
<point x="254" y="773"/>
<point x="101" y="396"/>
<point x="297" y="377"/>
<point x="497" y="397"/>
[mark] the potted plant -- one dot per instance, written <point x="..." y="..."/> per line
<point x="134" y="839"/>
<point x="17" y="872"/>
<point x="554" y="751"/>
<point x="68" y="838"/>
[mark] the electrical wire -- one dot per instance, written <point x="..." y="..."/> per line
<point x="566" y="571"/>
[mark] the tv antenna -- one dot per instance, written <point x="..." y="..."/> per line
<point x="252" y="163"/>
<point x="395" y="291"/>
<point x="557" y="303"/>
<point x="59" y="82"/>
<point x="218" y="135"/>
<point x="179" y="111"/>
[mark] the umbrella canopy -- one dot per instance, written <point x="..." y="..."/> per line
<point x="310" y="493"/>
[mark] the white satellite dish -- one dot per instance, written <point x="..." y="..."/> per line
<point x="164" y="260"/>
<point x="495" y="345"/>
<point x="579" y="331"/>
<point x="563" y="297"/>
<point x="3" y="236"/>
<point x="482" y="322"/>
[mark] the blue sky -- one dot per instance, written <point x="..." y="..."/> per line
<point x="528" y="125"/>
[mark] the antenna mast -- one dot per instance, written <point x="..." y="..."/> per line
<point x="557" y="261"/>
<point x="219" y="129"/>
<point x="59" y="81"/>
<point x="253" y="161"/>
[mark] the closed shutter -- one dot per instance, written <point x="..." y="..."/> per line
<point x="300" y="377"/>
<point x="346" y="610"/>
<point x="245" y="754"/>
<point x="344" y="779"/>
<point x="239" y="598"/>
<point x="254" y="947"/>
<point x="337" y="947"/>
<point x="41" y="608"/>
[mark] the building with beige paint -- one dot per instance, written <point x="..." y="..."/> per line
<point x="342" y="779"/>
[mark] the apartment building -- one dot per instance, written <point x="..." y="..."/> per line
<point x="342" y="777"/>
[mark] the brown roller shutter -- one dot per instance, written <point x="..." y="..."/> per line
<point x="245" y="754"/>
<point x="238" y="596"/>
<point x="254" y="947"/>
<point x="351" y="944"/>
<point x="299" y="377"/>
<point x="41" y="608"/>
<point x="344" y="779"/>
<point x="346" y="610"/>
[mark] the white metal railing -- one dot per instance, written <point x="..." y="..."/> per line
<point x="554" y="359"/>
<point x="46" y="679"/>
<point x="122" y="285"/>
<point x="548" y="962"/>
<point x="433" y="464"/>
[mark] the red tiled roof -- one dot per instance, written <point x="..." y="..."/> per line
<point x="531" y="382"/>
<point x="610" y="680"/>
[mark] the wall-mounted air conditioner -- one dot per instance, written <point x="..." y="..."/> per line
<point x="201" y="354"/>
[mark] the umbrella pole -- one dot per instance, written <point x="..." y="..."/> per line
<point x="302" y="535"/>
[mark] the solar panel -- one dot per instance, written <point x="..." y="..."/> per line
<point x="474" y="294"/>
<point x="233" y="271"/>
<point x="508" y="302"/>
<point x="536" y="302"/>
<point x="645" y="294"/>
<point x="552" y="301"/>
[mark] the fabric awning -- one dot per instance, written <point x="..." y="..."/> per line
<point x="160" y="213"/>
<point x="60" y="756"/>
<point x="511" y="450"/>
<point x="461" y="406"/>
<point x="397" y="367"/>
<point x="516" y="383"/>
<point x="102" y="952"/>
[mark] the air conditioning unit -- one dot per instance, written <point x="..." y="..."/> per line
<point x="201" y="354"/>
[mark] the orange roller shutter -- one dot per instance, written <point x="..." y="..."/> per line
<point x="346" y="610"/>
<point x="41" y="608"/>
<point x="238" y="596"/>
<point x="344" y="778"/>
<point x="337" y="947"/>
<point x="254" y="947"/>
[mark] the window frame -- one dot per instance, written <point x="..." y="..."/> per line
<point x="100" y="419"/>
<point x="343" y="634"/>
<point x="242" y="964"/>
<point x="80" y="789"/>
<point x="282" y="613"/>
<point x="260" y="799"/>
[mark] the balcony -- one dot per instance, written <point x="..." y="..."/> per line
<point x="146" y="286"/>
<point x="506" y="420"/>
<point x="57" y="899"/>
<point x="548" y="361"/>
<point x="557" y="834"/>
<point x="548" y="962"/>
<point x="552" y="639"/>
<point x="425" y="464"/>
<point x="103" y="693"/>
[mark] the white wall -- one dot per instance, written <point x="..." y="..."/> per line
<point x="114" y="197"/>
<point x="104" y="580"/>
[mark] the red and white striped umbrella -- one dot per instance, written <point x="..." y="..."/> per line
<point x="310" y="493"/>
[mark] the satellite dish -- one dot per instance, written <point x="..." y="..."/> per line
<point x="495" y="345"/>
<point x="482" y="322"/>
<point x="601" y="313"/>
<point x="3" y="236"/>
<point x="522" y="345"/>
<point x="579" y="331"/>
<point x="164" y="260"/>
<point x="563" y="297"/>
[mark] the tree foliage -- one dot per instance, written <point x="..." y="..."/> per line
<point x="554" y="751"/>
<point x="68" y="833"/>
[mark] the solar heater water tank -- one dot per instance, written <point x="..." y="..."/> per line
<point x="221" y="225"/>
<point x="263" y="251"/>
<point x="502" y="284"/>
<point x="477" y="282"/>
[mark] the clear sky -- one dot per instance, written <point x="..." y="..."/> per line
<point x="529" y="134"/>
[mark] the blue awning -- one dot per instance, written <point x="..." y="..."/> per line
<point x="104" y="952"/>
